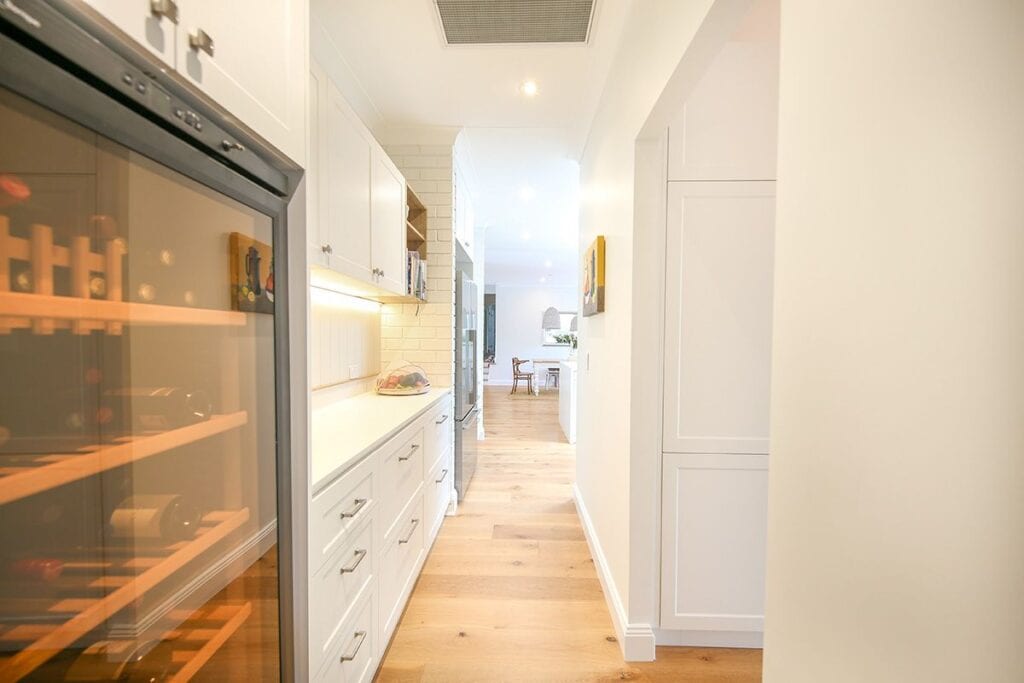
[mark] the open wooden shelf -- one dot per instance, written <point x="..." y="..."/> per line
<point x="158" y="563"/>
<point x="413" y="236"/>
<point x="61" y="468"/>
<point x="19" y="305"/>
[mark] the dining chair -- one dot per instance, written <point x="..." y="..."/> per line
<point x="518" y="374"/>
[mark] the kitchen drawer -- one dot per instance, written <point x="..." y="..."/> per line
<point x="439" y="431"/>
<point x="398" y="565"/>
<point x="338" y="508"/>
<point x="353" y="655"/>
<point x="336" y="588"/>
<point x="402" y="468"/>
<point x="437" y="495"/>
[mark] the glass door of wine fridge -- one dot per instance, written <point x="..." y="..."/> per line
<point x="140" y="454"/>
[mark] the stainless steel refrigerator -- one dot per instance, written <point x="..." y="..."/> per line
<point x="467" y="408"/>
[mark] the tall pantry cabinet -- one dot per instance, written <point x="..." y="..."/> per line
<point x="718" y="322"/>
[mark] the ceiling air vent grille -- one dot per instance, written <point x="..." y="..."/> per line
<point x="468" y="22"/>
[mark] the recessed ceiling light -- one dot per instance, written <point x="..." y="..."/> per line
<point x="526" y="236"/>
<point x="527" y="193"/>
<point x="528" y="88"/>
<point x="543" y="279"/>
<point x="547" y="264"/>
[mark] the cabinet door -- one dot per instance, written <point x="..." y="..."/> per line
<point x="388" y="220"/>
<point x="258" y="66"/>
<point x="346" y="188"/>
<point x="727" y="129"/>
<point x="154" y="32"/>
<point x="714" y="520"/>
<point x="718" y="316"/>
<point x="315" y="137"/>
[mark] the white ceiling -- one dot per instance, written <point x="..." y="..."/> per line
<point x="408" y="76"/>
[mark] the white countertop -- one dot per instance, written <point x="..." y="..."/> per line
<point x="570" y="363"/>
<point x="347" y="430"/>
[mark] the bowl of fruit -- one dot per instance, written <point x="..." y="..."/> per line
<point x="402" y="378"/>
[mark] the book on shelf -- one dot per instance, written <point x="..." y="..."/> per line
<point x="416" y="275"/>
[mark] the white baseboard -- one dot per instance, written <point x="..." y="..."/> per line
<point x="742" y="639"/>
<point x="635" y="640"/>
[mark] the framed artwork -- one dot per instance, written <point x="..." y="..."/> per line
<point x="593" y="278"/>
<point x="252" y="274"/>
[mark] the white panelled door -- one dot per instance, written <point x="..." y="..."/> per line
<point x="346" y="189"/>
<point x="155" y="30"/>
<point x="718" y="316"/>
<point x="252" y="59"/>
<point x="714" y="511"/>
<point x="388" y="224"/>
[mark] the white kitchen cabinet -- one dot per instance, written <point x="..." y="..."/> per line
<point x="727" y="128"/>
<point x="714" y="512"/>
<point x="387" y="216"/>
<point x="144" y="22"/>
<point x="718" y="316"/>
<point x="381" y="473"/>
<point x="345" y="222"/>
<point x="251" y="58"/>
<point x="254" y="63"/>
<point x="358" y="237"/>
<point x="315" y="196"/>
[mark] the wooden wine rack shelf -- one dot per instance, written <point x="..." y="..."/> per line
<point x="42" y="312"/>
<point x="233" y="617"/>
<point x="93" y="612"/>
<point x="62" y="468"/>
<point x="18" y="309"/>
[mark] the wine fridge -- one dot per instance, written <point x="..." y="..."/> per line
<point x="144" y="497"/>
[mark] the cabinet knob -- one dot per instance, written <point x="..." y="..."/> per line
<point x="164" y="8"/>
<point x="201" y="40"/>
<point x="327" y="249"/>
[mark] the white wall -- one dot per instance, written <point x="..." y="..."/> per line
<point x="896" y="520"/>
<point x="519" y="311"/>
<point x="654" y="40"/>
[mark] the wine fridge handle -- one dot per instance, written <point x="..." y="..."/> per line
<point x="360" y="504"/>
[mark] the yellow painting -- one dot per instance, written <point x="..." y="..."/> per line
<point x="252" y="275"/>
<point x="593" y="278"/>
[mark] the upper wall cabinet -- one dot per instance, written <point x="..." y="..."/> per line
<point x="251" y="60"/>
<point x="345" y="182"/>
<point x="387" y="239"/>
<point x="356" y="205"/>
<point x="728" y="128"/>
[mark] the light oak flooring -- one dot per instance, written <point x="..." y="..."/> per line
<point x="509" y="591"/>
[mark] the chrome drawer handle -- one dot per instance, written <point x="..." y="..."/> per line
<point x="201" y="40"/>
<point x="441" y="421"/>
<point x="415" y="523"/>
<point x="444" y="474"/>
<point x="360" y="504"/>
<point x="359" y="636"/>
<point x="164" y="8"/>
<point x="409" y="454"/>
<point x="359" y="554"/>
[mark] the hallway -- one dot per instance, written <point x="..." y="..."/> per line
<point x="509" y="591"/>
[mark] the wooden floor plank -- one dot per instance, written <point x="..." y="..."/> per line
<point x="509" y="591"/>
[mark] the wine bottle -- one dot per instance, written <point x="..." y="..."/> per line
<point x="161" y="408"/>
<point x="125" y="661"/>
<point x="167" y="517"/>
<point x="39" y="569"/>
